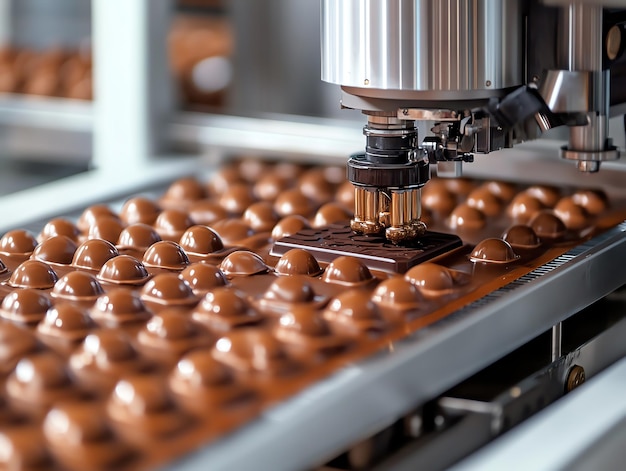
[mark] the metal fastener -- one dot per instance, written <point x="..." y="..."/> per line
<point x="575" y="378"/>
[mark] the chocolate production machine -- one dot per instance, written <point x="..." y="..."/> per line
<point x="507" y="95"/>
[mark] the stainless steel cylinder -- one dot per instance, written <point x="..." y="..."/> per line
<point x="422" y="49"/>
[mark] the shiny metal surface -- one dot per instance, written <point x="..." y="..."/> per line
<point x="582" y="38"/>
<point x="426" y="46"/>
<point x="567" y="91"/>
<point x="590" y="424"/>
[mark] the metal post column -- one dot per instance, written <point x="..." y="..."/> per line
<point x="132" y="87"/>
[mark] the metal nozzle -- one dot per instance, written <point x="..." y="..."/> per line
<point x="388" y="180"/>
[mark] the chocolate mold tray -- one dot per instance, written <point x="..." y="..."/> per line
<point x="137" y="336"/>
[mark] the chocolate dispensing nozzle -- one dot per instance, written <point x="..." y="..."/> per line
<point x="387" y="180"/>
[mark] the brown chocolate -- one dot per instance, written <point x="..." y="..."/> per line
<point x="574" y="217"/>
<point x="459" y="186"/>
<point x="168" y="290"/>
<point x="504" y="191"/>
<point x="183" y="191"/>
<point x="337" y="240"/>
<point x="354" y="313"/>
<point x="202" y="384"/>
<point x="66" y="322"/>
<point x="119" y="306"/>
<point x="431" y="279"/>
<point x="80" y="437"/>
<point x="33" y="274"/>
<point x="137" y="237"/>
<point x="106" y="228"/>
<point x="142" y="411"/>
<point x="438" y="198"/>
<point x="90" y="215"/>
<point x="243" y="263"/>
<point x="253" y="351"/>
<point x="206" y="212"/>
<point x="548" y="226"/>
<point x="60" y="226"/>
<point x="291" y="202"/>
<point x="26" y="448"/>
<point x="594" y="202"/>
<point x="315" y="186"/>
<point x="236" y="199"/>
<point x="102" y="358"/>
<point x="25" y="306"/>
<point x="203" y="277"/>
<point x="466" y="217"/>
<point x="289" y="225"/>
<point x="17" y="242"/>
<point x="347" y="271"/>
<point x="493" y="250"/>
<point x="298" y="262"/>
<point x="522" y="237"/>
<point x="548" y="195"/>
<point x="172" y="223"/>
<point x="201" y="240"/>
<point x="260" y="216"/>
<point x="524" y="207"/>
<point x="251" y="169"/>
<point x="397" y="295"/>
<point x="484" y="200"/>
<point x="233" y="232"/>
<point x="139" y="210"/>
<point x="176" y="338"/>
<point x="307" y="335"/>
<point x="38" y="382"/>
<point x="171" y="333"/>
<point x="56" y="250"/>
<point x="17" y="342"/>
<point x="345" y="195"/>
<point x="166" y="255"/>
<point x="222" y="179"/>
<point x="93" y="253"/>
<point x="223" y="309"/>
<point x="77" y="286"/>
<point x="330" y="213"/>
<point x="289" y="290"/>
<point x="123" y="270"/>
<point x="270" y="186"/>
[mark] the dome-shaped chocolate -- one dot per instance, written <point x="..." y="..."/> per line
<point x="243" y="263"/>
<point x="94" y="253"/>
<point x="396" y="293"/>
<point x="493" y="250"/>
<point x="167" y="255"/>
<point x="17" y="242"/>
<point x="33" y="274"/>
<point x="123" y="270"/>
<point x="298" y="262"/>
<point x="348" y="271"/>
<point x="118" y="306"/>
<point x="139" y="210"/>
<point x="56" y="249"/>
<point x="289" y="225"/>
<point x="203" y="277"/>
<point x="260" y="216"/>
<point x="77" y="286"/>
<point x="201" y="240"/>
<point x="25" y="306"/>
<point x="138" y="237"/>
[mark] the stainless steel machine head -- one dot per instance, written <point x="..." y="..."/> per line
<point x="483" y="75"/>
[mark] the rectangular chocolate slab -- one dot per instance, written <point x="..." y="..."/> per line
<point x="329" y="242"/>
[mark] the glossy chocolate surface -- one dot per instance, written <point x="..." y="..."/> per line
<point x="132" y="338"/>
